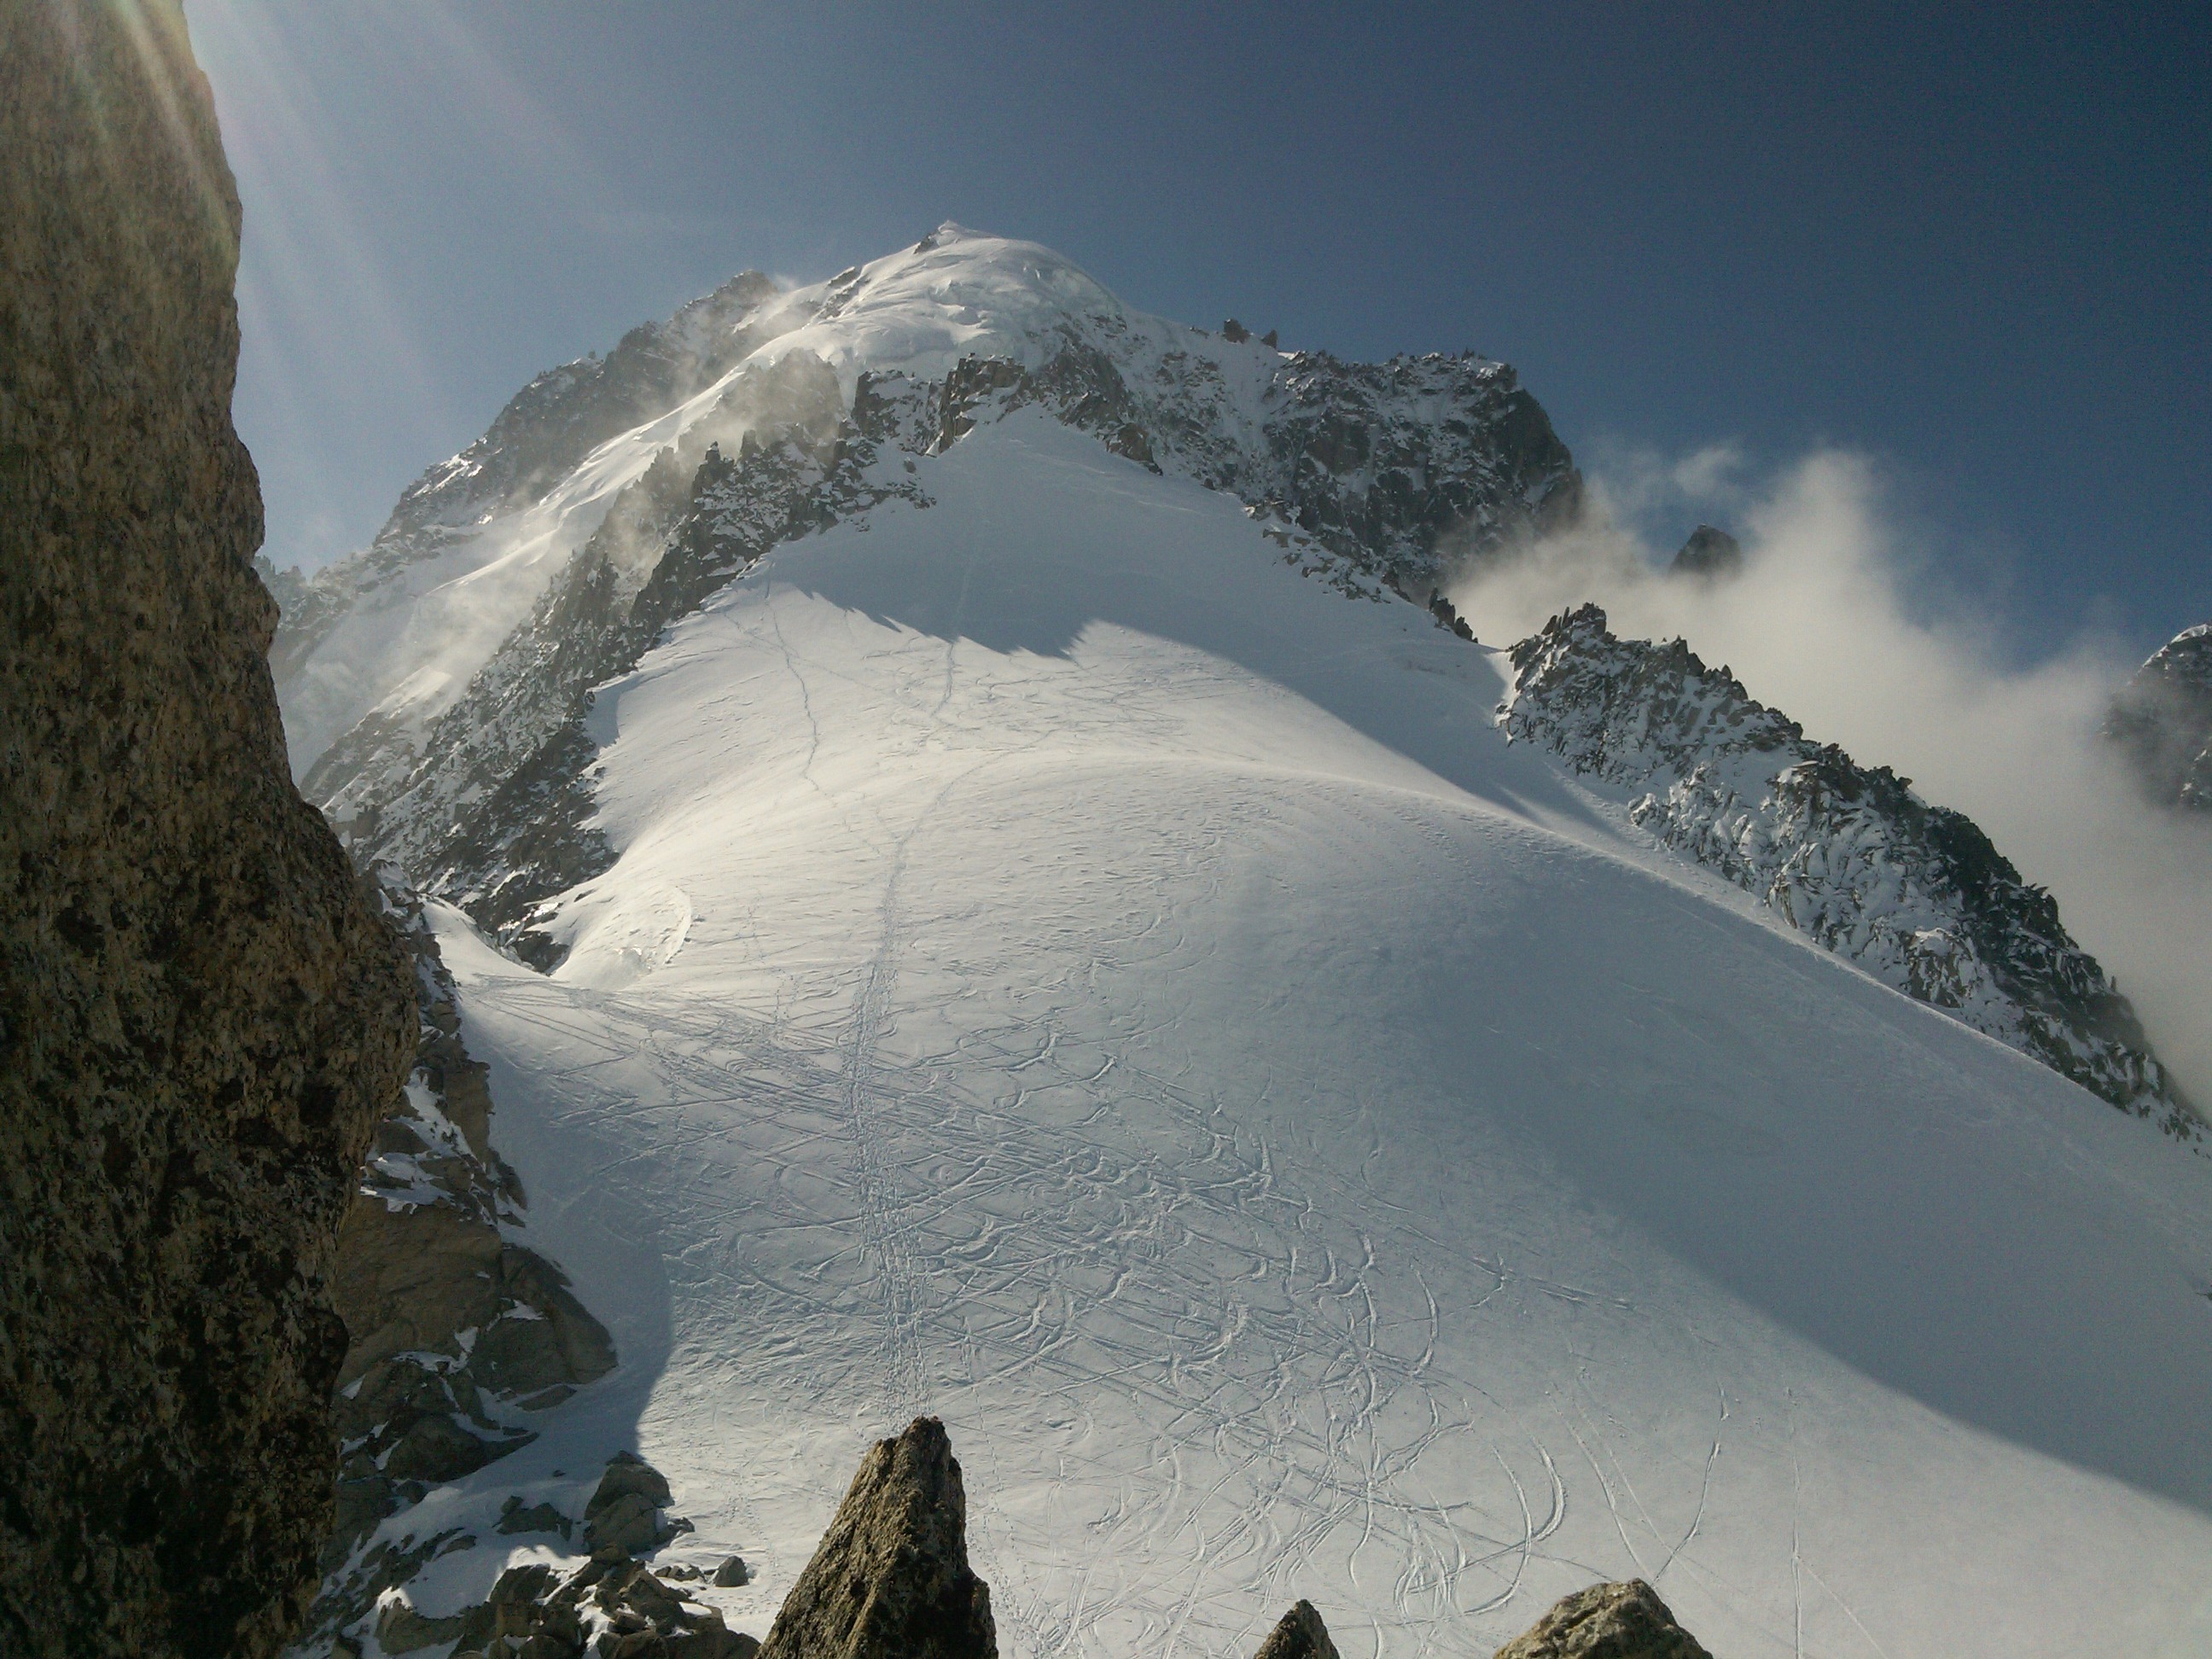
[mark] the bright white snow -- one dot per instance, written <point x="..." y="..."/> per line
<point x="1068" y="973"/>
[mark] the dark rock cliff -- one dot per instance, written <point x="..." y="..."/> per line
<point x="1914" y="893"/>
<point x="200" y="1020"/>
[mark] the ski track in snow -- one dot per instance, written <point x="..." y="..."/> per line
<point x="1173" y="1072"/>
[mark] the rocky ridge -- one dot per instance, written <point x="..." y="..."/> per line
<point x="613" y="1606"/>
<point x="1367" y="475"/>
<point x="1847" y="855"/>
<point x="200" y="1017"/>
<point x="2161" y="723"/>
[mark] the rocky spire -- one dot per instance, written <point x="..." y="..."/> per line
<point x="1606" y="1621"/>
<point x="1299" y="1635"/>
<point x="1710" y="553"/>
<point x="2161" y="722"/>
<point x="890" y="1578"/>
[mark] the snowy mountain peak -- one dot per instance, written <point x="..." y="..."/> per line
<point x="959" y="294"/>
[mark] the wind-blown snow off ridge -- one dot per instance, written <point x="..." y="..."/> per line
<point x="1064" y="971"/>
<point x="386" y="640"/>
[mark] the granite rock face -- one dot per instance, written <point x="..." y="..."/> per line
<point x="1300" y="1634"/>
<point x="890" y="1578"/>
<point x="200" y="1018"/>
<point x="1914" y="893"/>
<point x="1606" y="1621"/>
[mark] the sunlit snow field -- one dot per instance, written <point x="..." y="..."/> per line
<point x="1069" y="973"/>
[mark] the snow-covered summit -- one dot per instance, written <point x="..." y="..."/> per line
<point x="959" y="294"/>
<point x="1390" y="465"/>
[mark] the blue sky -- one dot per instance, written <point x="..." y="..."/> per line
<point x="1973" y="243"/>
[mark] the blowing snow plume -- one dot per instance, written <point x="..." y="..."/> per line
<point x="1826" y="619"/>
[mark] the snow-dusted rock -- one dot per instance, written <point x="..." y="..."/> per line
<point x="1847" y="855"/>
<point x="1606" y="1621"/>
<point x="459" y="1334"/>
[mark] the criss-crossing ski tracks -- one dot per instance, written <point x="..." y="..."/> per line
<point x="1197" y="1335"/>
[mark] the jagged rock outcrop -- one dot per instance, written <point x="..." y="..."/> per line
<point x="610" y="1605"/>
<point x="1606" y="1621"/>
<point x="1915" y="894"/>
<point x="200" y="1019"/>
<point x="2162" y="722"/>
<point x="890" y="1578"/>
<point x="1710" y="553"/>
<point x="1300" y="1634"/>
<point x="460" y="1335"/>
<point x="1448" y="617"/>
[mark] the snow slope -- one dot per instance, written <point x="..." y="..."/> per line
<point x="1066" y="971"/>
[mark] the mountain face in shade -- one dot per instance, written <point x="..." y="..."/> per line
<point x="2162" y="721"/>
<point x="1709" y="553"/>
<point x="983" y="889"/>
